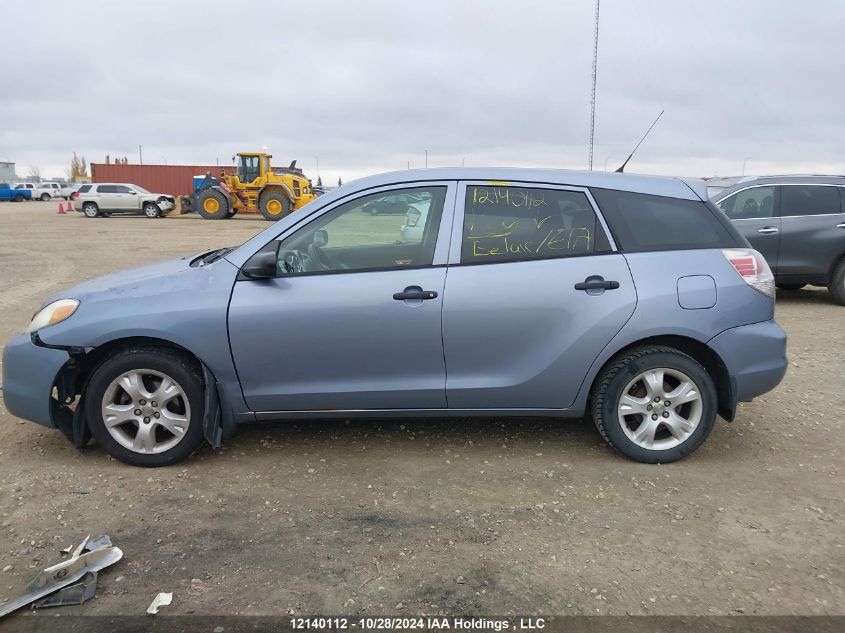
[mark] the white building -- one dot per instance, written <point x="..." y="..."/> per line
<point x="7" y="171"/>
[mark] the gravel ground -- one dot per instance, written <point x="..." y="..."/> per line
<point x="468" y="516"/>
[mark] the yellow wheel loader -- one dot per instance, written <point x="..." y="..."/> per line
<point x="255" y="188"/>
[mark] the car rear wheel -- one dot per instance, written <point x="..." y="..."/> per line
<point x="837" y="284"/>
<point x="44" y="197"/>
<point x="654" y="404"/>
<point x="90" y="210"/>
<point x="790" y="286"/>
<point x="19" y="198"/>
<point x="145" y="406"/>
<point x="151" y="210"/>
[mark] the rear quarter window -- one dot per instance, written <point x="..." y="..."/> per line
<point x="85" y="189"/>
<point x="642" y="222"/>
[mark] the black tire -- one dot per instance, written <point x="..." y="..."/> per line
<point x="837" y="283"/>
<point x="218" y="205"/>
<point x="44" y="197"/>
<point x="91" y="210"/>
<point x="183" y="370"/>
<point x="787" y="286"/>
<point x="19" y="198"/>
<point x="620" y="371"/>
<point x="274" y="206"/>
<point x="151" y="210"/>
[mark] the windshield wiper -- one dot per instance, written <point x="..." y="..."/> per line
<point x="213" y="256"/>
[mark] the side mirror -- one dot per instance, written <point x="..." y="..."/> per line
<point x="262" y="265"/>
<point x="321" y="238"/>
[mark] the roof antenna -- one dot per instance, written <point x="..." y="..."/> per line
<point x="622" y="168"/>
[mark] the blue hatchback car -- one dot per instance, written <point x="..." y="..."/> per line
<point x="630" y="299"/>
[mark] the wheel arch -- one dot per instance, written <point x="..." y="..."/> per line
<point x="277" y="187"/>
<point x="700" y="352"/>
<point x="72" y="380"/>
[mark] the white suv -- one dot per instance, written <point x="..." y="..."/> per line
<point x="105" y="198"/>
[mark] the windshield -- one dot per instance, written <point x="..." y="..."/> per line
<point x="140" y="189"/>
<point x="712" y="191"/>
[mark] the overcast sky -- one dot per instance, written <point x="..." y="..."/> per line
<point x="368" y="86"/>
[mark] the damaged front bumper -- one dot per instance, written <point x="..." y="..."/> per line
<point x="29" y="374"/>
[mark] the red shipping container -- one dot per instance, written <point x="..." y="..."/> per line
<point x="175" y="180"/>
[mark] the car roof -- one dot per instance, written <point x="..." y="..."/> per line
<point x="786" y="179"/>
<point x="685" y="188"/>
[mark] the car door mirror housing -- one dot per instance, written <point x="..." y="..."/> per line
<point x="262" y="265"/>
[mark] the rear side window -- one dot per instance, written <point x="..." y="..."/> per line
<point x="506" y="224"/>
<point x="809" y="200"/>
<point x="85" y="189"/>
<point x="106" y="189"/>
<point x="641" y="222"/>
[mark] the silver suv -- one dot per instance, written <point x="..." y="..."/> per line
<point x="103" y="199"/>
<point x="797" y="223"/>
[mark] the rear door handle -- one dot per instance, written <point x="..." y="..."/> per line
<point x="415" y="293"/>
<point x="767" y="230"/>
<point x="596" y="283"/>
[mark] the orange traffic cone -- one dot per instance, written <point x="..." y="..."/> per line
<point x="61" y="208"/>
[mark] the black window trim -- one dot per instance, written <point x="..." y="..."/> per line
<point x="777" y="186"/>
<point x="443" y="233"/>
<point x="457" y="236"/>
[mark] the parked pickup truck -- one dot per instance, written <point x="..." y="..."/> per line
<point x="9" y="194"/>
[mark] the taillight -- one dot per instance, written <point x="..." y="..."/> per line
<point x="74" y="195"/>
<point x="413" y="217"/>
<point x="752" y="267"/>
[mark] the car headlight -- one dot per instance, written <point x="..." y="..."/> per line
<point x="53" y="313"/>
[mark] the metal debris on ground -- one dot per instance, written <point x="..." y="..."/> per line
<point x="72" y="594"/>
<point x="73" y="581"/>
<point x="161" y="600"/>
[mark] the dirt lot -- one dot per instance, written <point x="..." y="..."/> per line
<point x="429" y="516"/>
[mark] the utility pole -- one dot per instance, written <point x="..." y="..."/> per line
<point x="743" y="164"/>
<point x="593" y="95"/>
<point x="426" y="159"/>
<point x="317" y="158"/>
<point x="140" y="155"/>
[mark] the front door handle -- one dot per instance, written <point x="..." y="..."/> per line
<point x="415" y="293"/>
<point x="596" y="283"/>
<point x="767" y="230"/>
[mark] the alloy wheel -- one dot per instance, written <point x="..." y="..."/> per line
<point x="146" y="411"/>
<point x="660" y="408"/>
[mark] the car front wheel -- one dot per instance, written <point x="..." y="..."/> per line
<point x="151" y="210"/>
<point x="90" y="210"/>
<point x="145" y="406"/>
<point x="654" y="404"/>
<point x="837" y="284"/>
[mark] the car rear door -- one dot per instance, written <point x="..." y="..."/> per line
<point x="353" y="319"/>
<point x="812" y="230"/>
<point x="753" y="212"/>
<point x="534" y="291"/>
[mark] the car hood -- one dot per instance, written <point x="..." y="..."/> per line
<point x="168" y="274"/>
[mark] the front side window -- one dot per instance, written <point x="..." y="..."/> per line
<point x="506" y="224"/>
<point x="809" y="200"/>
<point x="348" y="238"/>
<point x="757" y="202"/>
<point x="248" y="170"/>
<point x="122" y="189"/>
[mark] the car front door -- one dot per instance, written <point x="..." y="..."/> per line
<point x="535" y="290"/>
<point x="353" y="318"/>
<point x="812" y="230"/>
<point x="752" y="212"/>
<point x="126" y="198"/>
